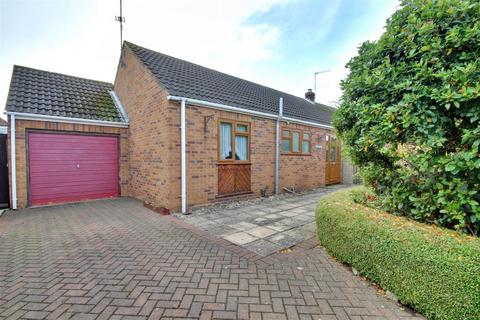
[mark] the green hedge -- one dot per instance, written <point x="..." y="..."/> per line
<point x="435" y="271"/>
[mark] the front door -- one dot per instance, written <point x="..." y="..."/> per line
<point x="333" y="161"/>
<point x="234" y="174"/>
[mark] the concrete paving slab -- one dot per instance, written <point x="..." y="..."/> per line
<point x="242" y="226"/>
<point x="263" y="247"/>
<point x="284" y="240"/>
<point x="284" y="220"/>
<point x="281" y="226"/>
<point x="222" y="230"/>
<point x="287" y="213"/>
<point x="240" y="238"/>
<point x="261" y="232"/>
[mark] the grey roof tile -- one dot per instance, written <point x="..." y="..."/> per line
<point x="186" y="79"/>
<point x="48" y="93"/>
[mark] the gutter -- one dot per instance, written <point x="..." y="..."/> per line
<point x="41" y="117"/>
<point x="223" y="107"/>
<point x="13" y="163"/>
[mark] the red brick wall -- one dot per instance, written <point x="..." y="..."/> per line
<point x="154" y="145"/>
<point x="21" y="153"/>
<point x="302" y="172"/>
<point x="150" y="132"/>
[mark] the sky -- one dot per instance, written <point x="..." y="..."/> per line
<point x="277" y="43"/>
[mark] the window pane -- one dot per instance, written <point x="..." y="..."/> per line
<point x="242" y="128"/>
<point x="241" y="148"/>
<point x="306" y="136"/>
<point x="225" y="141"/>
<point x="306" y="146"/>
<point x="296" y="141"/>
<point x="286" y="133"/>
<point x="286" y="145"/>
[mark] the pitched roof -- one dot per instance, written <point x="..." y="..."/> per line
<point x="3" y="122"/>
<point x="186" y="79"/>
<point x="54" y="94"/>
<point x="326" y="111"/>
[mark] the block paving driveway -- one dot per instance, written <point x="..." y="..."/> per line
<point x="115" y="259"/>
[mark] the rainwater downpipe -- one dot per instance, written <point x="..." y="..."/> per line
<point x="13" y="163"/>
<point x="183" y="144"/>
<point x="277" y="143"/>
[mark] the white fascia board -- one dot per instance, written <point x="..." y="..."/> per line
<point x="223" y="107"/>
<point x="307" y="123"/>
<point x="41" y="117"/>
<point x="119" y="105"/>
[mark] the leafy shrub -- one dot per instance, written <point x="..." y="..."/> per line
<point x="436" y="271"/>
<point x="410" y="113"/>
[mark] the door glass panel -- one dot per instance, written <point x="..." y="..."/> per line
<point x="333" y="150"/>
<point x="225" y="141"/>
<point x="326" y="152"/>
<point x="242" y="128"/>
<point x="241" y="148"/>
<point x="296" y="142"/>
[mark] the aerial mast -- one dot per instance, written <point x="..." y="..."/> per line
<point x="120" y="19"/>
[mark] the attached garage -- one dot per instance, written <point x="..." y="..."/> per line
<point x="71" y="167"/>
<point x="67" y="139"/>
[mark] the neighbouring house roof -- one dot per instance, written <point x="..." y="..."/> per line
<point x="47" y="93"/>
<point x="185" y="79"/>
<point x="3" y="122"/>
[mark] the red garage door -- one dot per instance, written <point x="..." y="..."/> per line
<point x="71" y="167"/>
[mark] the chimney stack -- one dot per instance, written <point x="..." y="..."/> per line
<point x="310" y="95"/>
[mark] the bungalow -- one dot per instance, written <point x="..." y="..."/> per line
<point x="168" y="132"/>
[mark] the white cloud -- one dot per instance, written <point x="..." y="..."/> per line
<point x="213" y="33"/>
<point x="208" y="32"/>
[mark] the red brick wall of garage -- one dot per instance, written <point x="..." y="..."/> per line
<point x="154" y="145"/>
<point x="21" y="127"/>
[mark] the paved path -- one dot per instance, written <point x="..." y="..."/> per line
<point x="115" y="259"/>
<point x="264" y="226"/>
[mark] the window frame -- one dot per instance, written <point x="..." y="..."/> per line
<point x="300" y="142"/>
<point x="235" y="133"/>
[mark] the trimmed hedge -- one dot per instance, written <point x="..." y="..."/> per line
<point x="434" y="270"/>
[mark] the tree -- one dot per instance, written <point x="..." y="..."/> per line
<point x="409" y="115"/>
